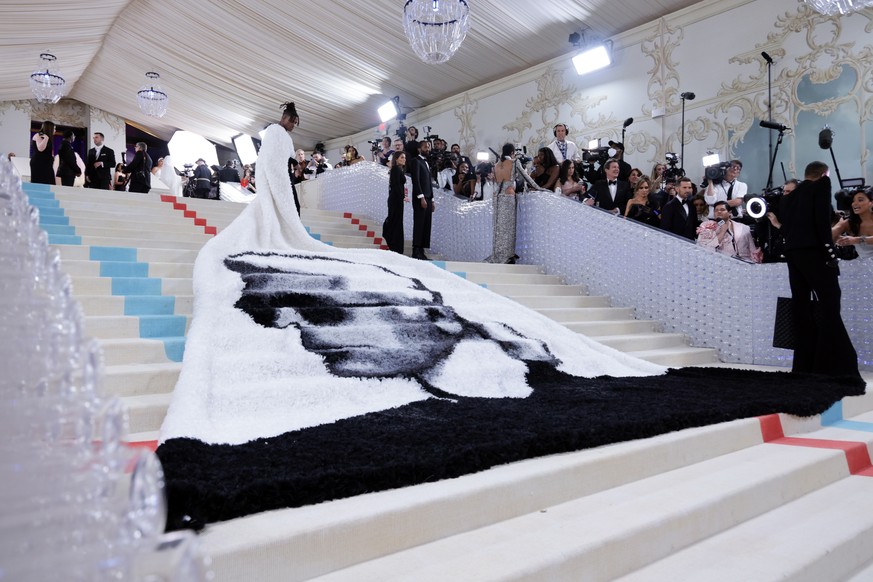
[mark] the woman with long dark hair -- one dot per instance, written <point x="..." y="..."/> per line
<point x="392" y="228"/>
<point x="546" y="172"/>
<point x="641" y="208"/>
<point x="43" y="158"/>
<point x="569" y="184"/>
<point x="857" y="229"/>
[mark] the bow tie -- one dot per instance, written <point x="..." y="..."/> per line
<point x="611" y="182"/>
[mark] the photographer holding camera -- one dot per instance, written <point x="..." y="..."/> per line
<point x="726" y="187"/>
<point x="822" y="345"/>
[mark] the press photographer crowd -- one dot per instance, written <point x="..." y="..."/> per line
<point x="719" y="212"/>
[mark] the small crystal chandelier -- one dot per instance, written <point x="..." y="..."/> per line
<point x="435" y="28"/>
<point x="46" y="82"/>
<point x="152" y="100"/>
<point x="831" y="7"/>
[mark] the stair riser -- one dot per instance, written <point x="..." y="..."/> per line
<point x="588" y="314"/>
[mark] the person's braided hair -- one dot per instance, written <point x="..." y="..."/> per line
<point x="289" y="109"/>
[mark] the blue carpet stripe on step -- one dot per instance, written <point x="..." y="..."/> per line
<point x="136" y="286"/>
<point x="142" y="294"/>
<point x="150" y="305"/>
<point x="116" y="254"/>
<point x="833" y="416"/>
<point x="123" y="269"/>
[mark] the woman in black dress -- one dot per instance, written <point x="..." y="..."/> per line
<point x="43" y="158"/>
<point x="392" y="229"/>
<point x="641" y="207"/>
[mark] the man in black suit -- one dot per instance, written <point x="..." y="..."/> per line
<point x="140" y="170"/>
<point x="101" y="163"/>
<point x="422" y="201"/>
<point x="610" y="194"/>
<point x="68" y="167"/>
<point x="821" y="343"/>
<point x="228" y="173"/>
<point x="678" y="215"/>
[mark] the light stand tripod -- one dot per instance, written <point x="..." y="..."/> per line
<point x="690" y="97"/>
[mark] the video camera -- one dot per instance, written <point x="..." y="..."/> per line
<point x="758" y="205"/>
<point x="521" y="154"/>
<point x="375" y="145"/>
<point x="672" y="173"/>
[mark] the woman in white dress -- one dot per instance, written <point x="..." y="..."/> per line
<point x="857" y="229"/>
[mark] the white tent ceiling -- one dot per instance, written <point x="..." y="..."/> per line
<point x="228" y="65"/>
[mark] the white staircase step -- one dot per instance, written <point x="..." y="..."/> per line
<point x="575" y="314"/>
<point x="470" y="267"/>
<point x="144" y="254"/>
<point x="510" y="290"/>
<point x="678" y="356"/>
<point x="145" y="234"/>
<point x="149" y="436"/>
<point x="147" y="412"/>
<point x="546" y="301"/>
<point x="490" y="279"/>
<point x="118" y="352"/>
<point x="142" y="379"/>
<point x="301" y="543"/>
<point x="123" y="241"/>
<point x="613" y="532"/>
<point x="614" y="327"/>
<point x="642" y="341"/>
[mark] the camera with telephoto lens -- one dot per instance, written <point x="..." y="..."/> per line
<point x="375" y="145"/>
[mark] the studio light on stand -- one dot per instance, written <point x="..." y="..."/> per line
<point x="151" y="98"/>
<point x="435" y="28"/>
<point x="46" y="82"/>
<point x="389" y="110"/>
<point x="592" y="57"/>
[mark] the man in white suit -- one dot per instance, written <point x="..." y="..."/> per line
<point x="563" y="148"/>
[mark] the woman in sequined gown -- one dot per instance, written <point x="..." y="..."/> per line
<point x="504" y="206"/>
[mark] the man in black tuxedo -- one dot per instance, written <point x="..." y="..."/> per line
<point x="228" y="173"/>
<point x="821" y="343"/>
<point x="101" y="163"/>
<point x="610" y="194"/>
<point x="140" y="170"/>
<point x="422" y="201"/>
<point x="678" y="215"/>
<point x="68" y="167"/>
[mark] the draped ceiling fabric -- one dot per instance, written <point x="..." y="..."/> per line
<point x="227" y="65"/>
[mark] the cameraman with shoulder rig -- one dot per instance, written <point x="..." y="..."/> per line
<point x="728" y="188"/>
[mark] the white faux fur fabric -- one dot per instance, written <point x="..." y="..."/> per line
<point x="371" y="329"/>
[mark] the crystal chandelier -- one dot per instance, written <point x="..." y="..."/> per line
<point x="46" y="82"/>
<point x="152" y="100"/>
<point x="831" y="7"/>
<point x="435" y="28"/>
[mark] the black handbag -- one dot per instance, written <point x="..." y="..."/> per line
<point x="783" y="327"/>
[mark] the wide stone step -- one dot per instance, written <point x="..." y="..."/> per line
<point x="678" y="356"/>
<point x="470" y="267"/>
<point x="642" y="341"/>
<point x="142" y="254"/>
<point x="620" y="327"/>
<point x="122" y="241"/>
<point x="824" y="535"/>
<point x="118" y="352"/>
<point x="147" y="412"/>
<point x="513" y="279"/>
<point x="132" y="286"/>
<point x="136" y="304"/>
<point x="144" y="233"/>
<point x="574" y="314"/>
<point x="511" y="290"/>
<point x="558" y="301"/>
<point x="612" y="533"/>
<point x="127" y="327"/>
<point x="142" y="379"/>
<point x="300" y="543"/>
<point x="79" y="268"/>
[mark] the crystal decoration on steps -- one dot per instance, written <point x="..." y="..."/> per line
<point x="435" y="28"/>
<point x="151" y="98"/>
<point x="46" y="82"/>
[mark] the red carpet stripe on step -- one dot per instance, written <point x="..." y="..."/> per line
<point x="369" y="233"/>
<point x="189" y="214"/>
<point x="857" y="455"/>
<point x="150" y="445"/>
